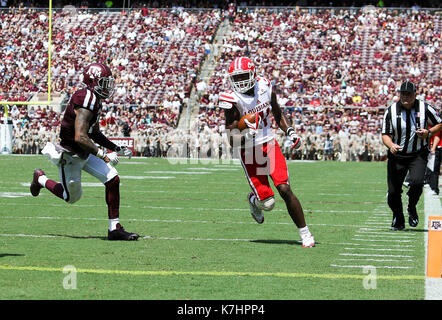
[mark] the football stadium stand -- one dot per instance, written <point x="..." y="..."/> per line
<point x="335" y="70"/>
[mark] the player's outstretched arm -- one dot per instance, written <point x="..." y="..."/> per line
<point x="98" y="137"/>
<point x="283" y="122"/>
<point x="280" y="117"/>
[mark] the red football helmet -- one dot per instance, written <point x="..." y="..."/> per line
<point x="242" y="74"/>
<point x="98" y="77"/>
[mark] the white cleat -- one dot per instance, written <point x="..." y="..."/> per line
<point x="308" y="240"/>
<point x="254" y="210"/>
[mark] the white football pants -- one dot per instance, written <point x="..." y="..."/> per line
<point x="70" y="168"/>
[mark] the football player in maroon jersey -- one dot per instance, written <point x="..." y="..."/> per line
<point x="77" y="151"/>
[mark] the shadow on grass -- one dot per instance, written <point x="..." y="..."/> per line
<point x="412" y="230"/>
<point x="78" y="237"/>
<point x="296" y="242"/>
<point x="2" y="255"/>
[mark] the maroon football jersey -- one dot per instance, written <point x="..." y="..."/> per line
<point x="83" y="98"/>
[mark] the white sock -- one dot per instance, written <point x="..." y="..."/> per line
<point x="304" y="231"/>
<point x="42" y="180"/>
<point x="113" y="224"/>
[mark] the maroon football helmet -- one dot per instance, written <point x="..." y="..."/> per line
<point x="98" y="77"/>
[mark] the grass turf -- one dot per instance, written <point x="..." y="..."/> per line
<point x="198" y="240"/>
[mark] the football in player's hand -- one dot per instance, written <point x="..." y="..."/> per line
<point x="250" y="117"/>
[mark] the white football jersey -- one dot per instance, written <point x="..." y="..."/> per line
<point x="245" y="104"/>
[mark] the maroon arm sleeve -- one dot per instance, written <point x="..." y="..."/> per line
<point x="103" y="141"/>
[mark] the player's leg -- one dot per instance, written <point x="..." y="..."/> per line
<point x="280" y="177"/>
<point x="108" y="175"/>
<point x="262" y="196"/>
<point x="69" y="189"/>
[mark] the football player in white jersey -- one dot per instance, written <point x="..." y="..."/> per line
<point x="260" y="154"/>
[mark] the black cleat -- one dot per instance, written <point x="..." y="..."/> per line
<point x="121" y="234"/>
<point x="35" y="186"/>
<point x="395" y="226"/>
<point x="413" y="219"/>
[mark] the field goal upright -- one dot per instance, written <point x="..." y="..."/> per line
<point x="6" y="121"/>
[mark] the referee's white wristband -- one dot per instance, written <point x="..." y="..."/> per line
<point x="100" y="154"/>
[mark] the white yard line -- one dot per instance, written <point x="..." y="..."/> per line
<point x="375" y="260"/>
<point x="433" y="286"/>
<point x="388" y="240"/>
<point x="369" y="266"/>
<point x="375" y="226"/>
<point x="165" y="220"/>
<point x="375" y="255"/>
<point x="381" y="249"/>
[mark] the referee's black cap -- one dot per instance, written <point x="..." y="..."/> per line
<point x="407" y="86"/>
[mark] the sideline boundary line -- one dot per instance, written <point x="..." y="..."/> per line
<point x="212" y="273"/>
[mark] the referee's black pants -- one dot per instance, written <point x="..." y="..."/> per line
<point x="397" y="168"/>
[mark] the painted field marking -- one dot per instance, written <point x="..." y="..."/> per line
<point x="376" y="260"/>
<point x="200" y="239"/>
<point x="179" y="172"/>
<point x="214" y="169"/>
<point x="165" y="207"/>
<point x="375" y="255"/>
<point x="379" y="249"/>
<point x="385" y="233"/>
<point x="373" y="229"/>
<point x="173" y="221"/>
<point x="146" y="177"/>
<point x="388" y="240"/>
<point x="384" y="236"/>
<point x="370" y="266"/>
<point x="14" y="194"/>
<point x="212" y="273"/>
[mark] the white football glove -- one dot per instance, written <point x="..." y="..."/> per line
<point x="113" y="157"/>
<point x="126" y="152"/>
<point x="295" y="139"/>
<point x="253" y="127"/>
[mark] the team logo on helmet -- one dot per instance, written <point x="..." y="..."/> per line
<point x="94" y="72"/>
<point x="98" y="77"/>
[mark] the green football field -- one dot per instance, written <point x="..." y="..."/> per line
<point x="198" y="240"/>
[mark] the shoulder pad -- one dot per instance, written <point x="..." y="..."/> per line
<point x="264" y="81"/>
<point x="84" y="98"/>
<point x="227" y="99"/>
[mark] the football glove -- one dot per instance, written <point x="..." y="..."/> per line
<point x="113" y="158"/>
<point x="296" y="141"/>
<point x="253" y="127"/>
<point x="123" y="151"/>
<point x="101" y="154"/>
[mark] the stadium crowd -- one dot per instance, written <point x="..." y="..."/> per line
<point x="155" y="133"/>
<point x="338" y="59"/>
<point x="335" y="71"/>
<point x="157" y="52"/>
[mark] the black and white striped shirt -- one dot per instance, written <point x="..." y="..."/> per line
<point x="401" y="124"/>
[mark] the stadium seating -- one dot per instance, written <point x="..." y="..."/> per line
<point x="157" y="55"/>
<point x="335" y="70"/>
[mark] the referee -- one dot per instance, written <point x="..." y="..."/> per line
<point x="405" y="132"/>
